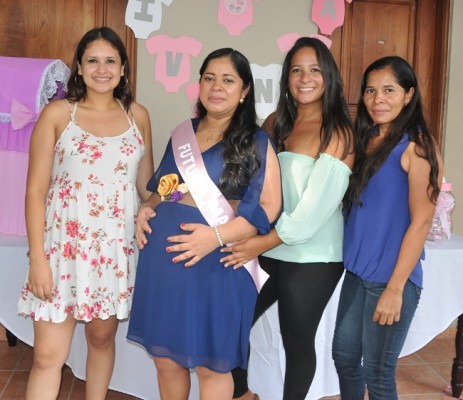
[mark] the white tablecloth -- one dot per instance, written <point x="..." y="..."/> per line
<point x="134" y="373"/>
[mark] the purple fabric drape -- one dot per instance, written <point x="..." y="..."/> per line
<point x="30" y="83"/>
<point x="26" y="86"/>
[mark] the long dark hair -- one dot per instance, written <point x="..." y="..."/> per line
<point x="77" y="89"/>
<point x="335" y="114"/>
<point x="410" y="120"/>
<point x="240" y="157"/>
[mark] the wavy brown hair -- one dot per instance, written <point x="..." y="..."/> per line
<point x="77" y="90"/>
<point x="409" y="121"/>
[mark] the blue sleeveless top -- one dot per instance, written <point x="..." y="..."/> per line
<point x="374" y="230"/>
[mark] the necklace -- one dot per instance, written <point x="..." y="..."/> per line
<point x="213" y="133"/>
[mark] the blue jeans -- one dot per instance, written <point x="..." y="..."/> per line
<point x="356" y="336"/>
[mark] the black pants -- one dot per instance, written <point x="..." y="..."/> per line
<point x="302" y="291"/>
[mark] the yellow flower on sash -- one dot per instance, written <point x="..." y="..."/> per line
<point x="168" y="184"/>
<point x="170" y="190"/>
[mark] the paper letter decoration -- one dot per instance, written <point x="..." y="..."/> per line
<point x="328" y="14"/>
<point x="235" y="15"/>
<point x="266" y="88"/>
<point x="144" y="16"/>
<point x="173" y="66"/>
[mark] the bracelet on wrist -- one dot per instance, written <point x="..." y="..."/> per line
<point x="217" y="233"/>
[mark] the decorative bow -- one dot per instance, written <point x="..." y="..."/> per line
<point x="21" y="115"/>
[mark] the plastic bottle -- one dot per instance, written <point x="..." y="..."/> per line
<point x="441" y="227"/>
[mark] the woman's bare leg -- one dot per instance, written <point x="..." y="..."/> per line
<point x="173" y="379"/>
<point x="214" y="385"/>
<point x="51" y="349"/>
<point x="101" y="346"/>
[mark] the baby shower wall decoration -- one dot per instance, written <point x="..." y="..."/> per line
<point x="173" y="56"/>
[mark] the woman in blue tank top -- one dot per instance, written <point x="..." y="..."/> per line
<point x="388" y="211"/>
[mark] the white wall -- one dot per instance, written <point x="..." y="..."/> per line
<point x="272" y="19"/>
<point x="453" y="145"/>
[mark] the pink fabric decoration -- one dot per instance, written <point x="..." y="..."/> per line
<point x="328" y="14"/>
<point x="20" y="115"/>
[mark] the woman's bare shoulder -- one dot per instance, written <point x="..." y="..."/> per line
<point x="268" y="124"/>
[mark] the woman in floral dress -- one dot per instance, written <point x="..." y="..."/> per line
<point x="90" y="159"/>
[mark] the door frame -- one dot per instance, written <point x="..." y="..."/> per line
<point x="430" y="56"/>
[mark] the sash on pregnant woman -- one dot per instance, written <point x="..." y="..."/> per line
<point x="210" y="201"/>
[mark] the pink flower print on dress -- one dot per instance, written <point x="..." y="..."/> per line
<point x="96" y="309"/>
<point x="69" y="310"/>
<point x="95" y="156"/>
<point x="128" y="250"/>
<point x="82" y="147"/>
<point x="127" y="148"/>
<point x="117" y="211"/>
<point x="72" y="228"/>
<point x="138" y="137"/>
<point x="65" y="192"/>
<point x="122" y="296"/>
<point x="87" y="312"/>
<point x="93" y="179"/>
<point x="121" y="166"/>
<point x="69" y="251"/>
<point x="60" y="154"/>
<point x="89" y="153"/>
<point x="95" y="208"/>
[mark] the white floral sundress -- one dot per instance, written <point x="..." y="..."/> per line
<point x="91" y="208"/>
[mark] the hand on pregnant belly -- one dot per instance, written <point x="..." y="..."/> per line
<point x="145" y="213"/>
<point x="193" y="246"/>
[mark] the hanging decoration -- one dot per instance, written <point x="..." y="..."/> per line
<point x="266" y="88"/>
<point x="235" y="15"/>
<point x="173" y="65"/>
<point x="328" y="14"/>
<point x="192" y="91"/>
<point x="144" y="16"/>
<point x="286" y="41"/>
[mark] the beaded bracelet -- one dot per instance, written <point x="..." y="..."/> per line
<point x="217" y="233"/>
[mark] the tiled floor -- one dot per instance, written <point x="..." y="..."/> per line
<point x="420" y="376"/>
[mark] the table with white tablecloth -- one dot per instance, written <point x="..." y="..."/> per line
<point x="134" y="373"/>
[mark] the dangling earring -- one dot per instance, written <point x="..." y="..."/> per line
<point x="75" y="79"/>
<point x="242" y="100"/>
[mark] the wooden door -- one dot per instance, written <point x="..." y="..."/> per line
<point x="416" y="30"/>
<point x="52" y="28"/>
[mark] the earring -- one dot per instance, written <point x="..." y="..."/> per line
<point x="405" y="104"/>
<point x="242" y="100"/>
<point x="75" y="79"/>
